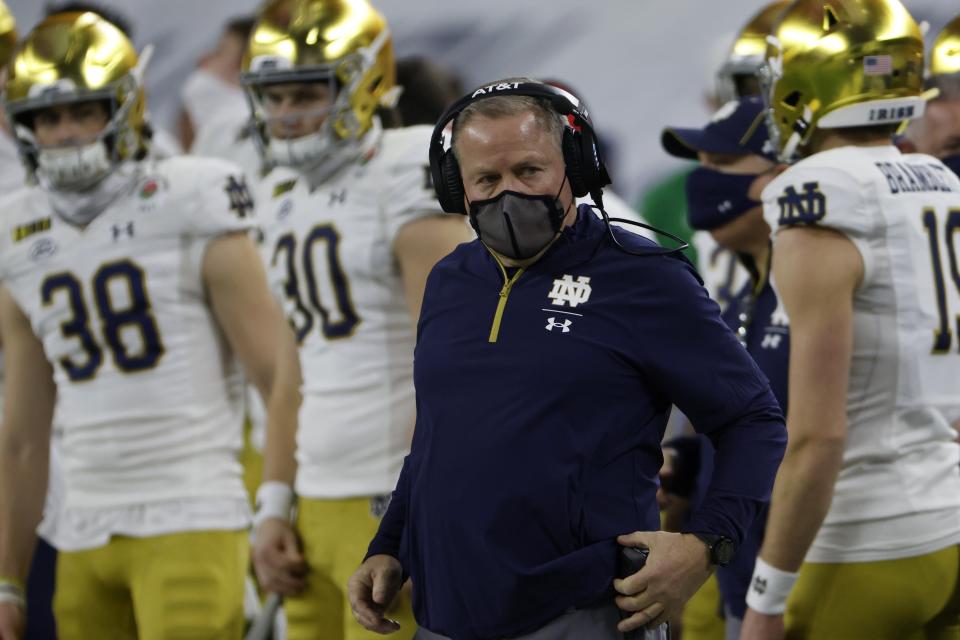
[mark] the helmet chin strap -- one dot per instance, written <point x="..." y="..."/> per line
<point x="74" y="168"/>
<point x="796" y="137"/>
<point x="317" y="155"/>
<point x="81" y="207"/>
<point x="300" y="152"/>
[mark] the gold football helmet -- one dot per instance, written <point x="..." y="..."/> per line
<point x="8" y="34"/>
<point x="944" y="69"/>
<point x="344" y="43"/>
<point x="77" y="57"/>
<point x="945" y="54"/>
<point x="841" y="63"/>
<point x="738" y="75"/>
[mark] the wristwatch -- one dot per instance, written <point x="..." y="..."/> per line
<point x="721" y="549"/>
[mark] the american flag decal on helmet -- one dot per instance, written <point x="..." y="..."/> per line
<point x="877" y="65"/>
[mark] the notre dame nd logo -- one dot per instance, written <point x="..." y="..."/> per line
<point x="806" y="207"/>
<point x="240" y="201"/>
<point x="566" y="290"/>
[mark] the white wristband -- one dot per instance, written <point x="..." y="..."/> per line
<point x="274" y="500"/>
<point x="10" y="592"/>
<point x="769" y="588"/>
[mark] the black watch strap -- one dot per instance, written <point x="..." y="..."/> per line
<point x="721" y="548"/>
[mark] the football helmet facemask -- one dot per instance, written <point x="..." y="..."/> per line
<point x="344" y="44"/>
<point x="69" y="58"/>
<point x="737" y="78"/>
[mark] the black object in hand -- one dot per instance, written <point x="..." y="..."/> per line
<point x="631" y="560"/>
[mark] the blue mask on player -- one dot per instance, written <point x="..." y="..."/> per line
<point x="715" y="198"/>
<point x="953" y="163"/>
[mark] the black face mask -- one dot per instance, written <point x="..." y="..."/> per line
<point x="517" y="225"/>
<point x="714" y="198"/>
<point x="953" y="163"/>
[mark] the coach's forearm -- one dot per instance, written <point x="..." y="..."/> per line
<point x="23" y="486"/>
<point x="801" y="499"/>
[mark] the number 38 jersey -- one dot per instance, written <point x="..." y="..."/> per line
<point x="329" y="255"/>
<point x="898" y="492"/>
<point x="149" y="399"/>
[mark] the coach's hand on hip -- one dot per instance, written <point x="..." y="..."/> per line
<point x="371" y="590"/>
<point x="678" y="564"/>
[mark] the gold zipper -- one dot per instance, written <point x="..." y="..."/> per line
<point x="502" y="303"/>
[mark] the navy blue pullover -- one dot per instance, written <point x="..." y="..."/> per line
<point x="768" y="342"/>
<point x="538" y="443"/>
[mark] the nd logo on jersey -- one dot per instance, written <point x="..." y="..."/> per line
<point x="802" y="208"/>
<point x="567" y="291"/>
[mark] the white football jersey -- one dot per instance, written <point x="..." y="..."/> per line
<point x="149" y="400"/>
<point x="723" y="275"/>
<point x="12" y="178"/>
<point x="898" y="492"/>
<point x="329" y="252"/>
<point x="12" y="175"/>
<point x="220" y="118"/>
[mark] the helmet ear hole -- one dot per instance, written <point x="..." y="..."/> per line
<point x="792" y="99"/>
<point x="830" y="19"/>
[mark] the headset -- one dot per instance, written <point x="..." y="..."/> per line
<point x="585" y="169"/>
<point x="581" y="152"/>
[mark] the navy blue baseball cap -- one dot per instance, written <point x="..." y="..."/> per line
<point x="738" y="127"/>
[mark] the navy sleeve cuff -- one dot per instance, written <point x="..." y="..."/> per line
<point x="747" y="457"/>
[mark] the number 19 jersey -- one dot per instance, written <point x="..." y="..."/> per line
<point x="898" y="491"/>
<point x="149" y="398"/>
<point x="329" y="254"/>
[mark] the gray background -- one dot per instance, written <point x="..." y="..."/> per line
<point x="641" y="64"/>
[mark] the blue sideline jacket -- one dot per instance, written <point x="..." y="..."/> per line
<point x="541" y="404"/>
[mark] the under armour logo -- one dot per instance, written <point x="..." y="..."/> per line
<point x="771" y="341"/>
<point x="760" y="585"/>
<point x="804" y="208"/>
<point x="120" y="230"/>
<point x="565" y="291"/>
<point x="563" y="326"/>
<point x="779" y="317"/>
<point x="338" y="197"/>
<point x="240" y="200"/>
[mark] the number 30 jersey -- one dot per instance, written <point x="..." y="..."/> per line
<point x="898" y="492"/>
<point x="149" y="399"/>
<point x="329" y="254"/>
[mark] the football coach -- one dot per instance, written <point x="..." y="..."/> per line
<point x="549" y="353"/>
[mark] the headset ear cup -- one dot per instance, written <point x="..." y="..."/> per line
<point x="573" y="159"/>
<point x="451" y="184"/>
<point x="589" y="163"/>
